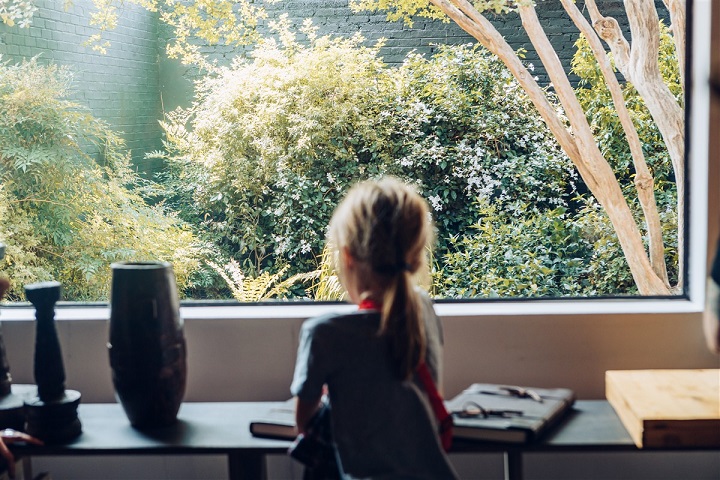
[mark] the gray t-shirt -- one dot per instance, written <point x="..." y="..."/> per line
<point x="383" y="427"/>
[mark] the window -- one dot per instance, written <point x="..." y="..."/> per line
<point x="499" y="183"/>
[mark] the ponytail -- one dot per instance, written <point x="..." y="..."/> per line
<point x="401" y="322"/>
<point x="387" y="226"/>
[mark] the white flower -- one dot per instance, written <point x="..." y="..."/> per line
<point x="436" y="203"/>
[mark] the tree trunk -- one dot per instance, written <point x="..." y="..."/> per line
<point x="581" y="149"/>
<point x="677" y="19"/>
<point x="639" y="64"/>
<point x="609" y="193"/>
<point x="644" y="182"/>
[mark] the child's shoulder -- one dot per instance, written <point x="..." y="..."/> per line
<point x="336" y="321"/>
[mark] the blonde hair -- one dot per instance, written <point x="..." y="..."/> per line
<point x="386" y="226"/>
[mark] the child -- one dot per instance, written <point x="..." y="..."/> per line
<point x="382" y="424"/>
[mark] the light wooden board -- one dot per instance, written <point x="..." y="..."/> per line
<point x="667" y="408"/>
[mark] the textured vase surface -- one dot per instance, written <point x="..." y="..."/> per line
<point x="147" y="344"/>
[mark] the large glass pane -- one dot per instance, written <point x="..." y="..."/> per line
<point x="548" y="139"/>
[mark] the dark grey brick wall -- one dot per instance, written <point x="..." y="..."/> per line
<point x="334" y="17"/>
<point x="131" y="85"/>
<point x="121" y="86"/>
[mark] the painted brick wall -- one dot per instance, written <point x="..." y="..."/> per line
<point x="134" y="82"/>
<point x="121" y="86"/>
<point x="334" y="17"/>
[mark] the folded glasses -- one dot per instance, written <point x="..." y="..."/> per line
<point x="474" y="410"/>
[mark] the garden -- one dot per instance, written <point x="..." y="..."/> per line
<point x="254" y="166"/>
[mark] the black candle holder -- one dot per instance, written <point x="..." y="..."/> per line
<point x="12" y="413"/>
<point x="52" y="415"/>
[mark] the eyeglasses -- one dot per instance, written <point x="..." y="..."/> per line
<point x="523" y="393"/>
<point x="474" y="410"/>
<point x="517" y="392"/>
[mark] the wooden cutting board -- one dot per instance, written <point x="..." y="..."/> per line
<point x="667" y="408"/>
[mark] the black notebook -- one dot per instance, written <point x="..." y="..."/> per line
<point x="504" y="413"/>
<point x="278" y="422"/>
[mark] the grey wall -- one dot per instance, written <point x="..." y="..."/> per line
<point x="121" y="86"/>
<point x="334" y="17"/>
<point x="134" y="82"/>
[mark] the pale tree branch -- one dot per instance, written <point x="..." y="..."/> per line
<point x="582" y="150"/>
<point x="677" y="19"/>
<point x="608" y="29"/>
<point x="644" y="182"/>
<point x="640" y="67"/>
<point x="609" y="194"/>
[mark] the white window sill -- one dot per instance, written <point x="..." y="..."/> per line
<point x="454" y="309"/>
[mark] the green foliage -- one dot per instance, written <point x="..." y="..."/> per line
<point x="535" y="255"/>
<point x="270" y="145"/>
<point x="607" y="268"/>
<point x="65" y="216"/>
<point x="227" y="22"/>
<point x="403" y="10"/>
<point x="263" y="287"/>
<point x="328" y="286"/>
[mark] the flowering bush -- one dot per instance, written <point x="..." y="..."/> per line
<point x="66" y="216"/>
<point x="271" y="144"/>
<point x="465" y="130"/>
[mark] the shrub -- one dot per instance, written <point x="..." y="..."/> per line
<point x="65" y="215"/>
<point x="464" y="129"/>
<point x="534" y="255"/>
<point x="272" y="143"/>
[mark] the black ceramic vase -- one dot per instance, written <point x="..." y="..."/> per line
<point x="147" y="344"/>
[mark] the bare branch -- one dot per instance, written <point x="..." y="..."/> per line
<point x="609" y="193"/>
<point x="608" y="29"/>
<point x="677" y="19"/>
<point x="642" y="70"/>
<point x="643" y="179"/>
